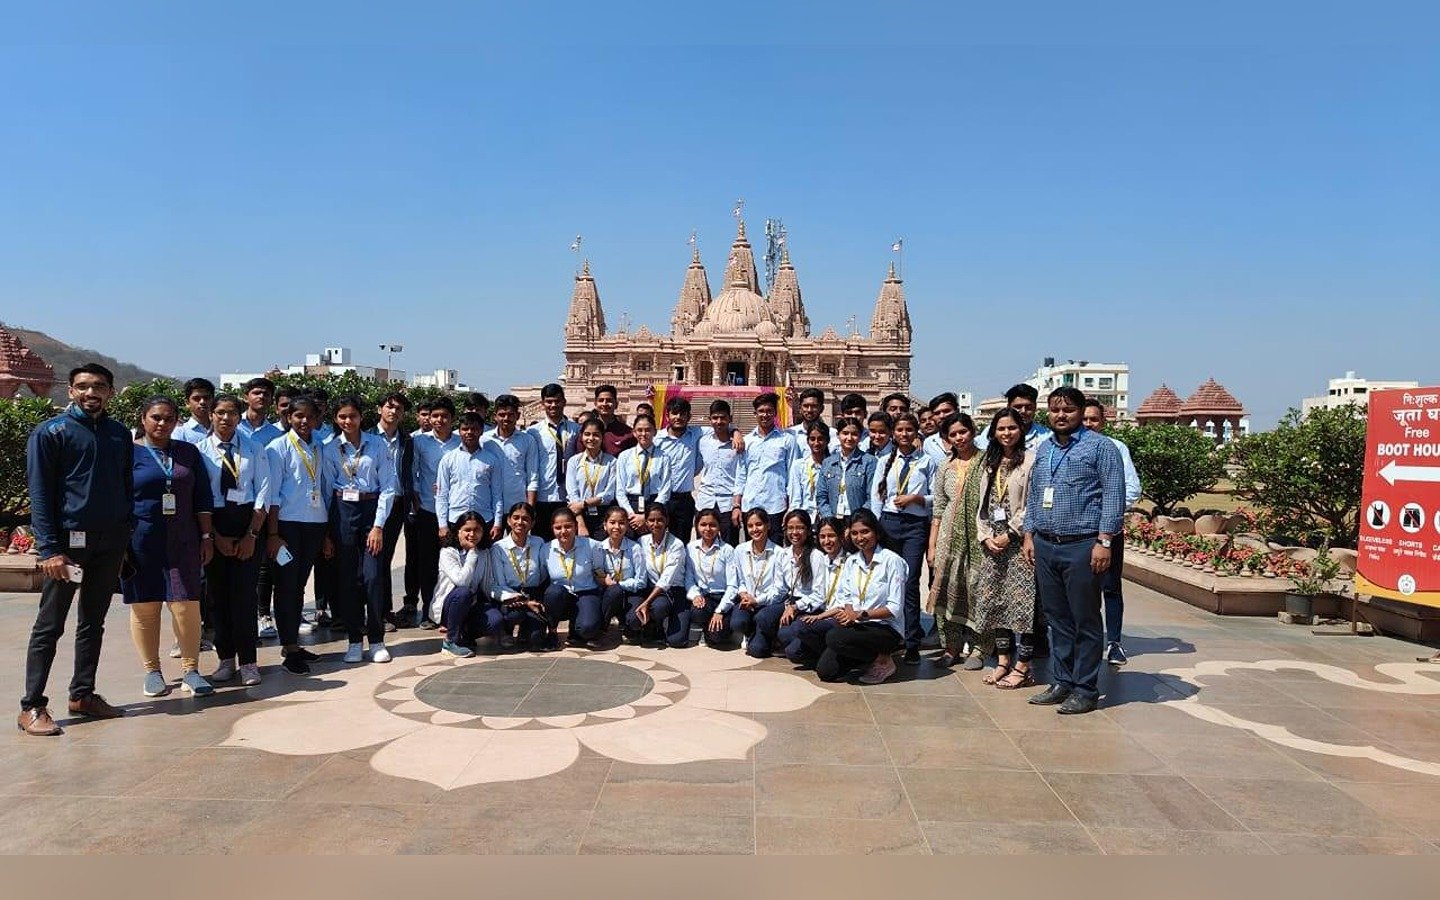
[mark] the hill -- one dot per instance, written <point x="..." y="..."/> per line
<point x="63" y="357"/>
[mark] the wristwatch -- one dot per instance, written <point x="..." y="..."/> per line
<point x="864" y="615"/>
<point x="1105" y="542"/>
<point x="206" y="536"/>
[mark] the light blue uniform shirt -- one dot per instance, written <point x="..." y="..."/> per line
<point x="465" y="482"/>
<point x="804" y="481"/>
<point x="682" y="455"/>
<point x="514" y="568"/>
<point x="325" y="433"/>
<point x="719" y="464"/>
<point x="764" y="472"/>
<point x="802" y="443"/>
<point x="517" y="465"/>
<point x="824" y="584"/>
<point x="252" y="467"/>
<point x="267" y="432"/>
<point x="552" y="487"/>
<point x="586" y="478"/>
<point x="367" y="469"/>
<point x="625" y="566"/>
<point x="665" y="564"/>
<point x="300" y="495"/>
<point x="583" y="560"/>
<point x="429" y="451"/>
<point x="880" y="583"/>
<point x="191" y="432"/>
<point x="936" y="448"/>
<point x="634" y="476"/>
<point x="709" y="569"/>
<point x="899" y="478"/>
<point x="1035" y="435"/>
<point x="764" y="576"/>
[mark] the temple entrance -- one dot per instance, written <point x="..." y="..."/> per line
<point x="707" y="373"/>
<point x="737" y="373"/>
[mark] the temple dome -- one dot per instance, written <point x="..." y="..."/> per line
<point x="737" y="310"/>
<point x="1163" y="403"/>
<point x="1211" y="398"/>
<point x="767" y="329"/>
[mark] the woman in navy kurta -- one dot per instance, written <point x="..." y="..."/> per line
<point x="171" y="542"/>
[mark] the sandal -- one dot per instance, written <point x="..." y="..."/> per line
<point x="945" y="660"/>
<point x="994" y="675"/>
<point x="1017" y="679"/>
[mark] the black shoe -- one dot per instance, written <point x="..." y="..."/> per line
<point x="1115" y="656"/>
<point x="427" y="625"/>
<point x="1075" y="705"/>
<point x="295" y="664"/>
<point x="911" y="658"/>
<point x="1050" y="696"/>
<point x="323" y="620"/>
<point x="306" y="655"/>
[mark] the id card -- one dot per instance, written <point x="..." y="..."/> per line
<point x="236" y="495"/>
<point x="77" y="540"/>
<point x="314" y="499"/>
<point x="350" y="495"/>
<point x="167" y="503"/>
<point x="1047" y="500"/>
<point x="999" y="514"/>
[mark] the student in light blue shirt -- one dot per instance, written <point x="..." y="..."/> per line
<point x="878" y="443"/>
<point x="365" y="488"/>
<point x="803" y="637"/>
<point x="642" y="474"/>
<point x="679" y="443"/>
<point x="812" y="408"/>
<point x="555" y="438"/>
<point x="517" y="455"/>
<point x="664" y="613"/>
<point x="422" y="547"/>
<point x="709" y="576"/>
<point x="805" y="471"/>
<point x="869" y="624"/>
<point x="763" y="477"/>
<point x="465" y="481"/>
<point x="1024" y="399"/>
<point x="902" y="495"/>
<point x="590" y="479"/>
<point x="942" y="407"/>
<point x="299" y="519"/>
<point x="759" y="586"/>
<point x="199" y="397"/>
<point x="517" y="579"/>
<point x="574" y="592"/>
<point x="624" y="575"/>
<point x="719" y="463"/>
<point x="259" y="394"/>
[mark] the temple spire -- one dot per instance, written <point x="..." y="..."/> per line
<point x="786" y="303"/>
<point x="694" y="295"/>
<point x="586" y="321"/>
<point x="740" y="268"/>
<point x="891" y="321"/>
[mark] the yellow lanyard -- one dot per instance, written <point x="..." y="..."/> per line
<point x="567" y="563"/>
<point x="908" y="470"/>
<point x="811" y="479"/>
<point x="524" y="576"/>
<point x="658" y="562"/>
<point x="834" y="581"/>
<point x="714" y="555"/>
<point x="865" y="583"/>
<point x="349" y="467"/>
<point x="225" y="459"/>
<point x="585" y="470"/>
<point x="305" y="457"/>
<point x="618" y="558"/>
<point x="645" y="472"/>
<point x="755" y="581"/>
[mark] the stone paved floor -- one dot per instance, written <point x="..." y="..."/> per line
<point x="1266" y="760"/>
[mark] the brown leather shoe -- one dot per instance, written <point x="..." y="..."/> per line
<point x="37" y="721"/>
<point x="94" y="707"/>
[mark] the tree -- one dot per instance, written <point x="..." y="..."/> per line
<point x="18" y="418"/>
<point x="1305" y="476"/>
<point x="1174" y="462"/>
<point x="125" y="405"/>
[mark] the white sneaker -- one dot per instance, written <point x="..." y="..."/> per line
<point x="250" y="674"/>
<point x="306" y="626"/>
<point x="879" y="672"/>
<point x="379" y="654"/>
<point x="267" y="628"/>
<point x="355" y="654"/>
<point x="225" y="672"/>
<point x="175" y="650"/>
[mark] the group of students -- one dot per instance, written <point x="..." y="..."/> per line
<point x="808" y="541"/>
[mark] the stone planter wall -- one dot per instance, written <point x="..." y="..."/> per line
<point x="19" y="572"/>
<point x="1225" y="595"/>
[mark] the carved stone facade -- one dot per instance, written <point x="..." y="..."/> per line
<point x="21" y="367"/>
<point x="736" y="337"/>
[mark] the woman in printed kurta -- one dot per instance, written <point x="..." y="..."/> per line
<point x="953" y="541"/>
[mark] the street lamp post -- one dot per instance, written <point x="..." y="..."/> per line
<point x="390" y="351"/>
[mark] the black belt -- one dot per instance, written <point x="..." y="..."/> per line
<point x="1066" y="538"/>
<point x="640" y="502"/>
<point x="370" y="496"/>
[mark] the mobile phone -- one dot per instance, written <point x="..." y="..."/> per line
<point x="75" y="573"/>
<point x="284" y="557"/>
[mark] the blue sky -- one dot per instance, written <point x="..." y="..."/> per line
<point x="1245" y="194"/>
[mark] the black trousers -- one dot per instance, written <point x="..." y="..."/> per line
<point x="231" y="583"/>
<point x="394" y="526"/>
<point x="422" y="548"/>
<point x="101" y="558"/>
<point x="305" y="541"/>
<point x="729" y="531"/>
<point x="682" y="515"/>
<point x="544" y="510"/>
<point x="855" y="646"/>
<point x="359" y="597"/>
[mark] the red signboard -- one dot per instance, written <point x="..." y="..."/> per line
<point x="1400" y="513"/>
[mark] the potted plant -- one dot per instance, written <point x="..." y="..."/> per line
<point x="1310" y="580"/>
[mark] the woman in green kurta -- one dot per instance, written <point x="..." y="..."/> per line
<point x="953" y="539"/>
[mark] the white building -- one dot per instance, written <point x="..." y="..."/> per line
<point x="444" y="379"/>
<point x="1107" y="382"/>
<point x="1352" y="389"/>
<point x="329" y="361"/>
